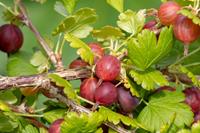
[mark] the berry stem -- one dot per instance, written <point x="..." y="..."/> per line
<point x="85" y="100"/>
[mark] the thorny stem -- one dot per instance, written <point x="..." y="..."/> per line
<point x="25" y="19"/>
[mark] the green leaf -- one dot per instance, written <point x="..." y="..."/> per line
<point x="161" y="107"/>
<point x="59" y="81"/>
<point x="60" y="8"/>
<point x="40" y="61"/>
<point x="107" y="33"/>
<point x="53" y="115"/>
<point x="100" y="130"/>
<point x="196" y="127"/>
<point x="78" y="22"/>
<point x="146" y="51"/>
<point x="4" y="106"/>
<point x="132" y="22"/>
<point x="194" y="79"/>
<point x="6" y="124"/>
<point x="148" y="79"/>
<point x="40" y="1"/>
<point x="43" y="130"/>
<point x="69" y="5"/>
<point x="117" y="4"/>
<point x="184" y="131"/>
<point x="190" y="14"/>
<point x="30" y="129"/>
<point x="18" y="65"/>
<point x="116" y="118"/>
<point x="8" y="97"/>
<point x="83" y="49"/>
<point x="82" y="123"/>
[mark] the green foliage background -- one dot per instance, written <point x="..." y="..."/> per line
<point x="46" y="19"/>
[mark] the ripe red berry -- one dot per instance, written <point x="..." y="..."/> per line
<point x="11" y="38"/>
<point x="185" y="30"/>
<point x="77" y="64"/>
<point x="106" y="94"/>
<point x="193" y="98"/>
<point x="150" y="25"/>
<point x="127" y="102"/>
<point x="108" y="68"/>
<point x="167" y="12"/>
<point x="55" y="126"/>
<point x="87" y="88"/>
<point x="97" y="50"/>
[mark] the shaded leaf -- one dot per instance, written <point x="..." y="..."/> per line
<point x="6" y="124"/>
<point x="132" y="22"/>
<point x="40" y="61"/>
<point x="78" y="22"/>
<point x="83" y="49"/>
<point x="161" y="107"/>
<point x="117" y="4"/>
<point x="146" y="51"/>
<point x="18" y="65"/>
<point x="8" y="97"/>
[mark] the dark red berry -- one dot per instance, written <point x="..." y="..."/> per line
<point x="108" y="68"/>
<point x="197" y="116"/>
<point x="193" y="98"/>
<point x="167" y="12"/>
<point x="185" y="30"/>
<point x="55" y="126"/>
<point x="11" y="38"/>
<point x="127" y="102"/>
<point x="97" y="50"/>
<point x="77" y="64"/>
<point x="106" y="94"/>
<point x="87" y="88"/>
<point x="150" y="25"/>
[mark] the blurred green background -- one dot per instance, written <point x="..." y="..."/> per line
<point x="46" y="19"/>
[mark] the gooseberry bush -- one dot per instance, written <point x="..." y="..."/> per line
<point x="141" y="75"/>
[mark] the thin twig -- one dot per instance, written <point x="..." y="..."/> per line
<point x="25" y="19"/>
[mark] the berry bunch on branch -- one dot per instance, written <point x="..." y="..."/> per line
<point x="138" y="76"/>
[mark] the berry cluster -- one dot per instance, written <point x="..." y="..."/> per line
<point x="102" y="88"/>
<point x="184" y="28"/>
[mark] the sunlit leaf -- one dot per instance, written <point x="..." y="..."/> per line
<point x="144" y="51"/>
<point x="161" y="107"/>
<point x="117" y="4"/>
<point x="83" y="49"/>
<point x="132" y="22"/>
<point x="149" y="79"/>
